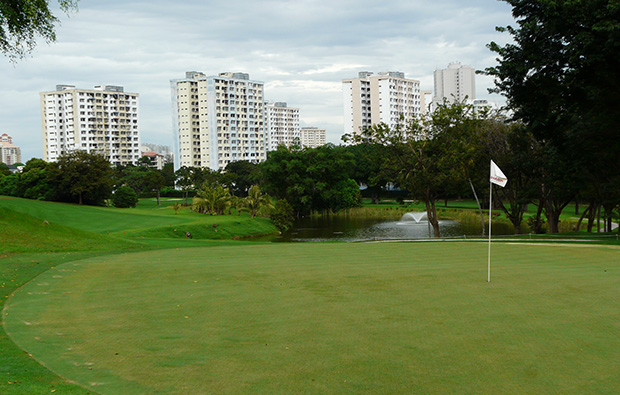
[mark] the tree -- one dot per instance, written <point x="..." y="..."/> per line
<point x="85" y="177"/>
<point x="282" y="215"/>
<point x="176" y="207"/>
<point x="183" y="179"/>
<point x="22" y="22"/>
<point x="135" y="177"/>
<point x="168" y="174"/>
<point x="308" y="178"/>
<point x="368" y="167"/>
<point x="560" y="75"/>
<point x="255" y="200"/>
<point x="514" y="147"/>
<point x="38" y="180"/>
<point x="124" y="197"/>
<point x="155" y="181"/>
<point x="4" y="170"/>
<point x="240" y="176"/>
<point x="432" y="156"/>
<point x="212" y="200"/>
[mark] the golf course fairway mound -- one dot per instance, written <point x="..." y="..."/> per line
<point x="309" y="318"/>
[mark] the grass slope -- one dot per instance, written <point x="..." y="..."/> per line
<point x="325" y="318"/>
<point x="36" y="236"/>
<point x="147" y="220"/>
<point x="24" y="233"/>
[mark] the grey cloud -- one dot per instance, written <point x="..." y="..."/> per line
<point x="301" y="50"/>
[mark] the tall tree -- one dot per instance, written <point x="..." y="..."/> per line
<point x="520" y="155"/>
<point x="22" y="22"/>
<point x="85" y="177"/>
<point x="431" y="156"/>
<point x="240" y="176"/>
<point x="367" y="168"/>
<point x="310" y="179"/>
<point x="561" y="76"/>
<point x="184" y="180"/>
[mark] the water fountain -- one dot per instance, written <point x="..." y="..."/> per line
<point x="415" y="216"/>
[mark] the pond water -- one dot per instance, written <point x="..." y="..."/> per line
<point x="366" y="229"/>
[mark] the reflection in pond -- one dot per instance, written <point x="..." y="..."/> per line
<point x="365" y="229"/>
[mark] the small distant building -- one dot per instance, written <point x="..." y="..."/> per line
<point x="157" y="160"/>
<point x="164" y="150"/>
<point x="9" y="152"/>
<point x="282" y="124"/>
<point x="312" y="137"/>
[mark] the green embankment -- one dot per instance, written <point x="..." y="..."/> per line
<point x="147" y="220"/>
<point x="36" y="236"/>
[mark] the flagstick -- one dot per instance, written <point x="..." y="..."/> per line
<point x="490" y="208"/>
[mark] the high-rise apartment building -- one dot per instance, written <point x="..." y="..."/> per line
<point x="455" y="83"/>
<point x="283" y="125"/>
<point x="101" y="120"/>
<point x="9" y="152"/>
<point x="218" y="120"/>
<point x="386" y="97"/>
<point x="312" y="137"/>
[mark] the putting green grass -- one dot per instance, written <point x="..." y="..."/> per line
<point x="329" y="318"/>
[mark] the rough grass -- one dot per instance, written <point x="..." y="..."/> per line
<point x="147" y="220"/>
<point x="324" y="318"/>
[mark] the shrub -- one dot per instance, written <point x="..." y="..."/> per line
<point x="124" y="197"/>
<point x="282" y="215"/>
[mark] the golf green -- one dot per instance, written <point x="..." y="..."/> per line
<point x="309" y="318"/>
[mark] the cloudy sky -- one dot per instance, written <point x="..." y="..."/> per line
<point x="300" y="49"/>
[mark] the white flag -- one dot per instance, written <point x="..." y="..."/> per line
<point x="497" y="177"/>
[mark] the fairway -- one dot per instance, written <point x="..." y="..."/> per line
<point x="329" y="319"/>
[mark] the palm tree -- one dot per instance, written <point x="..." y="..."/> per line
<point x="256" y="200"/>
<point x="211" y="200"/>
<point x="221" y="199"/>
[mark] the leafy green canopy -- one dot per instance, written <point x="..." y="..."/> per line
<point x="124" y="197"/>
<point x="316" y="179"/>
<point x="23" y="21"/>
<point x="561" y="76"/>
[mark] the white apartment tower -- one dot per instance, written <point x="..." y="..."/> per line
<point x="457" y="82"/>
<point x="101" y="120"/>
<point x="312" y="137"/>
<point x="386" y="97"/>
<point x="217" y="120"/>
<point x="283" y="125"/>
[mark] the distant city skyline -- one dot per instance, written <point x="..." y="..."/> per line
<point x="301" y="52"/>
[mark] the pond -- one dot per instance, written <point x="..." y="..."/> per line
<point x="330" y="228"/>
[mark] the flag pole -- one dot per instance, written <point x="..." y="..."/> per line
<point x="490" y="208"/>
<point x="497" y="177"/>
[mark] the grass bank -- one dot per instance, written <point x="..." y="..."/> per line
<point x="36" y="236"/>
